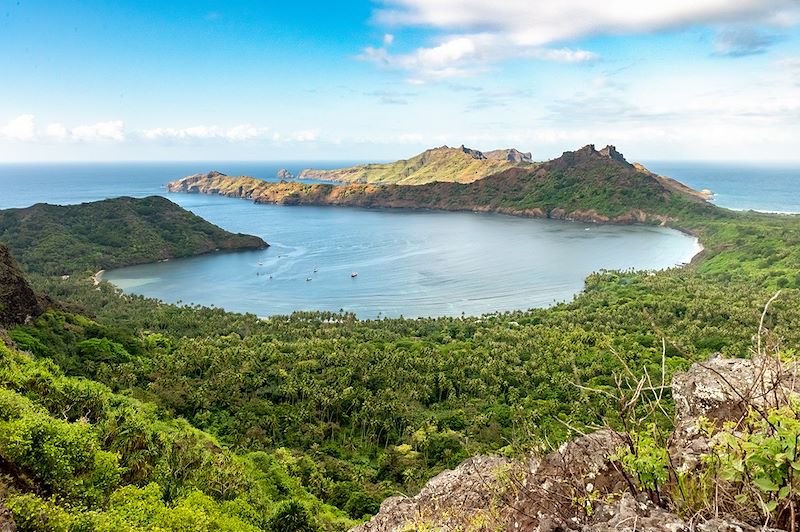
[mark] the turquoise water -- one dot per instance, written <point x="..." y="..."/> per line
<point x="411" y="263"/>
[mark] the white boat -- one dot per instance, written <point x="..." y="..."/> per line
<point x="354" y="274"/>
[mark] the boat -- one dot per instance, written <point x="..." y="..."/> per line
<point x="354" y="274"/>
<point x="308" y="279"/>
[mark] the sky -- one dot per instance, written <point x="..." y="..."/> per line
<point x="385" y="79"/>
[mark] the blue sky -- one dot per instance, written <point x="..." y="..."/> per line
<point x="351" y="80"/>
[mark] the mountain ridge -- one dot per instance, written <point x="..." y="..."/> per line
<point x="443" y="163"/>
<point x="586" y="185"/>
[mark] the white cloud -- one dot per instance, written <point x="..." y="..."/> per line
<point x="466" y="55"/>
<point x="304" y="136"/>
<point x="56" y="131"/>
<point x="476" y="33"/>
<point x="112" y="130"/>
<point x="388" y="39"/>
<point x="543" y="21"/>
<point x="22" y="127"/>
<point x="238" y="133"/>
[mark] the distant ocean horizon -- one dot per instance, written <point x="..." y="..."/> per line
<point x="766" y="186"/>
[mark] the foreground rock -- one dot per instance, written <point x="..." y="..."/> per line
<point x="19" y="303"/>
<point x="468" y="496"/>
<point x="577" y="488"/>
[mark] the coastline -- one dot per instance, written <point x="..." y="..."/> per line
<point x="97" y="278"/>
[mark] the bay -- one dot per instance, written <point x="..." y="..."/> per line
<point x="411" y="263"/>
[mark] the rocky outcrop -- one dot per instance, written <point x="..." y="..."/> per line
<point x="476" y="488"/>
<point x="19" y="303"/>
<point x="725" y="389"/>
<point x="283" y="173"/>
<point x="7" y="523"/>
<point x="577" y="487"/>
<point x="511" y="154"/>
<point x="475" y="154"/>
<point x="589" y="154"/>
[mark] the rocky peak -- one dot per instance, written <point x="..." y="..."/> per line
<point x="475" y="154"/>
<point x="587" y="155"/>
<point x="612" y="153"/>
<point x="510" y="154"/>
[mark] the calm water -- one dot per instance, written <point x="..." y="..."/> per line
<point x="409" y="263"/>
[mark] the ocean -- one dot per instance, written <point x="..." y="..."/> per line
<point x="409" y="263"/>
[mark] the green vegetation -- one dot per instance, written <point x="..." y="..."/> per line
<point x="57" y="240"/>
<point x="312" y="419"/>
<point x="76" y="456"/>
<point x="458" y="165"/>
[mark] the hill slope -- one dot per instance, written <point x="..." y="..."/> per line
<point x="56" y="240"/>
<point x="458" y="165"/>
<point x="76" y="456"/>
<point x="585" y="184"/>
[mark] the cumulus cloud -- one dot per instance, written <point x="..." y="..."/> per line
<point x="56" y="131"/>
<point x="476" y="33"/>
<point x="238" y="133"/>
<point x="112" y="130"/>
<point x="306" y="135"/>
<point x="459" y="56"/>
<point x="542" y="21"/>
<point x="22" y="127"/>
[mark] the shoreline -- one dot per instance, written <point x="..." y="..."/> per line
<point x="97" y="278"/>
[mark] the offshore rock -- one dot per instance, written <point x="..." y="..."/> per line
<point x="283" y="173"/>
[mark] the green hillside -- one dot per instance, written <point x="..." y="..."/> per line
<point x="56" y="239"/>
